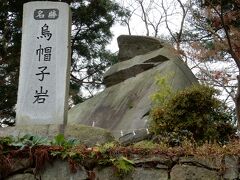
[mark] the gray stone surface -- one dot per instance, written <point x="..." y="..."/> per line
<point x="207" y="162"/>
<point x="131" y="68"/>
<point x="20" y="164"/>
<point x="124" y="107"/>
<point x="154" y="167"/>
<point x="107" y="173"/>
<point x="131" y="46"/>
<point x="85" y="134"/>
<point x="60" y="170"/>
<point x="231" y="167"/>
<point x="25" y="176"/>
<point x="45" y="64"/>
<point x="134" y="137"/>
<point x="187" y="172"/>
<point x="160" y="159"/>
<point x="153" y="174"/>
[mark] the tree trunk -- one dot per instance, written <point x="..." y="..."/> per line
<point x="237" y="102"/>
<point x="144" y="17"/>
<point x="237" y="97"/>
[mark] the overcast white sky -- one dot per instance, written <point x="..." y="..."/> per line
<point x="137" y="25"/>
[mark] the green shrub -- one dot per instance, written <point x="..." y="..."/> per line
<point x="194" y="110"/>
<point x="164" y="91"/>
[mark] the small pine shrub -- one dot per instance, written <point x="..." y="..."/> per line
<point x="164" y="91"/>
<point x="194" y="110"/>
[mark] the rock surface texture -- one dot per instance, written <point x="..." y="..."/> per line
<point x="160" y="167"/>
<point x="125" y="103"/>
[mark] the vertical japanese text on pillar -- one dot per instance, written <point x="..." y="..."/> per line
<point x="43" y="54"/>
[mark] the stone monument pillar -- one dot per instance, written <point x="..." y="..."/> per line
<point x="45" y="63"/>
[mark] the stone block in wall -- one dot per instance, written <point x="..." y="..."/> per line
<point x="108" y="173"/>
<point x="20" y="164"/>
<point x="26" y="176"/>
<point x="59" y="170"/>
<point x="207" y="162"/>
<point x="231" y="167"/>
<point x="147" y="173"/>
<point x="163" y="160"/>
<point x="184" y="172"/>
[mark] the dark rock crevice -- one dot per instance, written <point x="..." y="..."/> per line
<point x="132" y="71"/>
<point x="157" y="59"/>
<point x="126" y="74"/>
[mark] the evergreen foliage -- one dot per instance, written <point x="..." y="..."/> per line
<point x="195" y="111"/>
<point x="164" y="91"/>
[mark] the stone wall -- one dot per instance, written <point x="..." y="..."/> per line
<point x="159" y="167"/>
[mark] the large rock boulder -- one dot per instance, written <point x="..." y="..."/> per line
<point x="131" y="46"/>
<point x="124" y="105"/>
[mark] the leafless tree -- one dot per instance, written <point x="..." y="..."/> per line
<point x="159" y="18"/>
